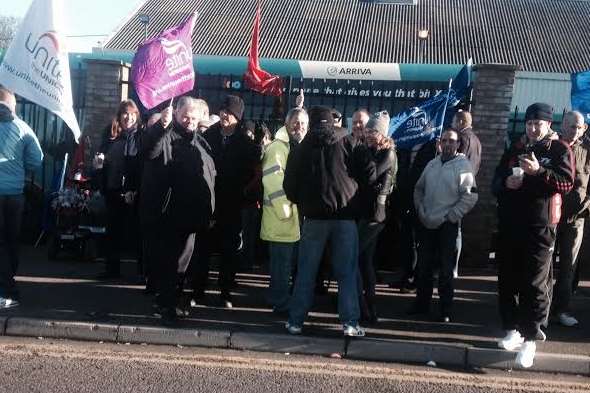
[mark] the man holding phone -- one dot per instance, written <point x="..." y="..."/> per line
<point x="529" y="182"/>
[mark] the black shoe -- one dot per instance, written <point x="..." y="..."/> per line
<point x="407" y="287"/>
<point x="169" y="317"/>
<point x="226" y="300"/>
<point x="444" y="318"/>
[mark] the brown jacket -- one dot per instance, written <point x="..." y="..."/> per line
<point x="576" y="202"/>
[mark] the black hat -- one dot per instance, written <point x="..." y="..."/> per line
<point x="320" y="117"/>
<point x="234" y="105"/>
<point x="539" y="111"/>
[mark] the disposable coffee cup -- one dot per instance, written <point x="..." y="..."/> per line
<point x="518" y="171"/>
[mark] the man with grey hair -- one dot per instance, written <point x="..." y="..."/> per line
<point x="360" y="118"/>
<point x="19" y="151"/>
<point x="280" y="217"/>
<point x="178" y="194"/>
<point x="575" y="205"/>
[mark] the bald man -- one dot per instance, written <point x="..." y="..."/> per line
<point x="570" y="230"/>
<point x="359" y="120"/>
<point x="469" y="142"/>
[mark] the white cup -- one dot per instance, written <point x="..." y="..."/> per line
<point x="517" y="171"/>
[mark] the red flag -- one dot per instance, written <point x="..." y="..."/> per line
<point x="255" y="77"/>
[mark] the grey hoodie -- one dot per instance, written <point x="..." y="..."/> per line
<point x="445" y="191"/>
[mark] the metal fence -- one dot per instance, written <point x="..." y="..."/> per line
<point x="54" y="136"/>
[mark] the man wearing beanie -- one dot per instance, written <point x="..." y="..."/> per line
<point x="323" y="177"/>
<point x="529" y="182"/>
<point x="235" y="157"/>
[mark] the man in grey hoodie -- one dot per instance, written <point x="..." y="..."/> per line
<point x="444" y="193"/>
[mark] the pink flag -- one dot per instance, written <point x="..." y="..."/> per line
<point x="163" y="66"/>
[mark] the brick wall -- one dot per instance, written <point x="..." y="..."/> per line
<point x="105" y="89"/>
<point x="492" y="95"/>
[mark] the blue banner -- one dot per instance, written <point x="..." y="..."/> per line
<point x="581" y="93"/>
<point x="426" y="122"/>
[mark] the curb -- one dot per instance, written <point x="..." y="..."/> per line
<point x="169" y="336"/>
<point x="370" y="349"/>
<point x="544" y="362"/>
<point x="61" y="329"/>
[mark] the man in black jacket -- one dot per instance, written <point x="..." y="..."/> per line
<point x="180" y="195"/>
<point x="235" y="157"/>
<point x="529" y="182"/>
<point x="322" y="177"/>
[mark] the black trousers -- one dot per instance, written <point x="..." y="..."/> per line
<point x="166" y="267"/>
<point x="115" y="235"/>
<point x="152" y="251"/>
<point x="408" y="245"/>
<point x="525" y="277"/>
<point x="367" y="280"/>
<point x="229" y="228"/>
<point x="11" y="211"/>
<point x="438" y="248"/>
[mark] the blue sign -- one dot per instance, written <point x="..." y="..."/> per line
<point x="581" y="93"/>
<point x="426" y="122"/>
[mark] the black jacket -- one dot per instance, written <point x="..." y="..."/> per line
<point x="235" y="162"/>
<point x="375" y="197"/>
<point x="121" y="171"/>
<point x="324" y="172"/>
<point x="191" y="184"/>
<point x="409" y="171"/>
<point x="471" y="147"/>
<point x="156" y="175"/>
<point x="536" y="202"/>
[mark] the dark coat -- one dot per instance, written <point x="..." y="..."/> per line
<point x="409" y="171"/>
<point x="121" y="172"/>
<point x="375" y="197"/>
<point x="536" y="202"/>
<point x="235" y="162"/>
<point x="324" y="172"/>
<point x="470" y="145"/>
<point x="577" y="202"/>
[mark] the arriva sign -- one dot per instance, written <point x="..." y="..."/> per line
<point x="360" y="71"/>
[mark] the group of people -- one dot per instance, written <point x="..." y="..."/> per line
<point x="325" y="196"/>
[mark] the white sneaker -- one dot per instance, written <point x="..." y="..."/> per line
<point x="512" y="340"/>
<point x="293" y="329"/>
<point x="567" y="320"/>
<point x="354" y="331"/>
<point x="526" y="355"/>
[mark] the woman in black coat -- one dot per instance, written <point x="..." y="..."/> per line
<point x="119" y="181"/>
<point x="375" y="198"/>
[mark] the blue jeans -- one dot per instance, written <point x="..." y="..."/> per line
<point x="282" y="259"/>
<point x="11" y="211"/>
<point x="343" y="238"/>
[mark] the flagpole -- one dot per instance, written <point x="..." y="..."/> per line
<point x="442" y="121"/>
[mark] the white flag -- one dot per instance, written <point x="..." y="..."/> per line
<point x="36" y="64"/>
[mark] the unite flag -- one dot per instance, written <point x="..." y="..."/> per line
<point x="255" y="77"/>
<point x="581" y="93"/>
<point x="36" y="65"/>
<point x="163" y="68"/>
<point x="423" y="123"/>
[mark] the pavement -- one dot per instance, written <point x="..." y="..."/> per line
<point x="61" y="299"/>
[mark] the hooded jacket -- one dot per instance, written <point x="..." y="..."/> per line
<point x="280" y="218"/>
<point x="445" y="191"/>
<point x="19" y="151"/>
<point x="324" y="173"/>
<point x="536" y="202"/>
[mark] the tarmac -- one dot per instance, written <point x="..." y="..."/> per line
<point x="62" y="299"/>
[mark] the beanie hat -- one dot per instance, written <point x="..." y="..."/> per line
<point x="379" y="122"/>
<point x="320" y="117"/>
<point x="234" y="105"/>
<point x="539" y="111"/>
